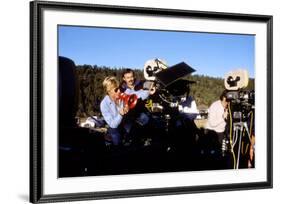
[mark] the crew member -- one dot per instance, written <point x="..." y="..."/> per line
<point x="131" y="85"/>
<point x="217" y="115"/>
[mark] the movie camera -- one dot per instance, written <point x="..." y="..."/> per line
<point x="170" y="91"/>
<point x="242" y="101"/>
<point x="170" y="87"/>
<point x="241" y="114"/>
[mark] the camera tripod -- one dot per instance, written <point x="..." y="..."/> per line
<point x="238" y="133"/>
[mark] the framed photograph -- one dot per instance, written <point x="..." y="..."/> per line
<point x="134" y="101"/>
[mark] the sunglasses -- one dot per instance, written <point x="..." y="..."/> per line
<point x="116" y="89"/>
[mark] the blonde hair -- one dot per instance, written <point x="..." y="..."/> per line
<point x="109" y="83"/>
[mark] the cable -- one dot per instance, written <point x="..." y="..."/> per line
<point x="251" y="122"/>
<point x="148" y="104"/>
<point x="230" y="137"/>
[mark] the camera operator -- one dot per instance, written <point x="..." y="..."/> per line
<point x="217" y="117"/>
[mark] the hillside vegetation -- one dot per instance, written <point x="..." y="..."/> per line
<point x="206" y="89"/>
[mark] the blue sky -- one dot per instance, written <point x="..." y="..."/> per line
<point x="208" y="53"/>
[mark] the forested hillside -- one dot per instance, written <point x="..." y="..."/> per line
<point x="206" y="89"/>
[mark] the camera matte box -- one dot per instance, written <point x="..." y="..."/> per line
<point x="168" y="76"/>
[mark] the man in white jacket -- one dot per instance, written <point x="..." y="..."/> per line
<point x="217" y="115"/>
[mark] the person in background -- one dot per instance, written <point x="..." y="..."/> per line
<point x="140" y="115"/>
<point x="217" y="116"/>
<point x="131" y="85"/>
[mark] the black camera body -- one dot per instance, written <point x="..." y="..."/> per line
<point x="171" y="96"/>
<point x="171" y="88"/>
<point x="242" y="103"/>
<point x="244" y="97"/>
<point x="241" y="116"/>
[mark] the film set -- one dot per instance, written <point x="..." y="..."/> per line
<point x="152" y="124"/>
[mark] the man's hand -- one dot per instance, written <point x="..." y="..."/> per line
<point x="152" y="91"/>
<point x="124" y="110"/>
<point x="225" y="114"/>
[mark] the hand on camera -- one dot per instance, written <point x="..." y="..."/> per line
<point x="152" y="90"/>
<point x="225" y="114"/>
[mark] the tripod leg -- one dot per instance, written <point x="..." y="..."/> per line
<point x="239" y="147"/>
<point x="247" y="130"/>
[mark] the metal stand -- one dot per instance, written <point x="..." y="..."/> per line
<point x="167" y="124"/>
<point x="238" y="128"/>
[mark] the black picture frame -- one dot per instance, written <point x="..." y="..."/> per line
<point x="37" y="20"/>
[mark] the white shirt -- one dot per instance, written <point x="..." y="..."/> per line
<point x="143" y="94"/>
<point x="189" y="108"/>
<point x="216" y="120"/>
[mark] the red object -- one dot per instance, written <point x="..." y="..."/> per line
<point x="129" y="100"/>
